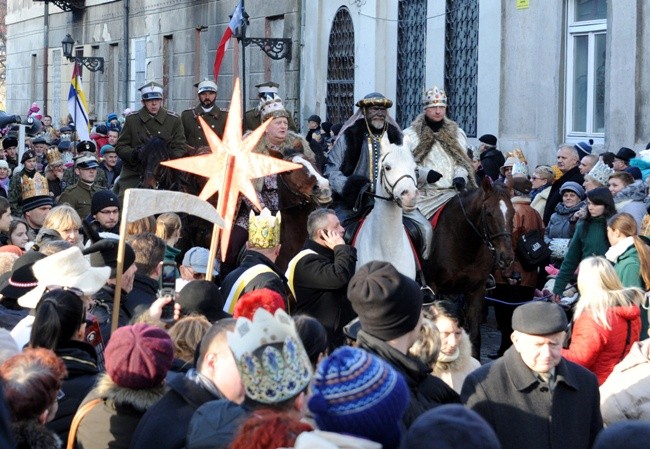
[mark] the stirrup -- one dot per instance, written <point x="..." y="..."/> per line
<point x="490" y="283"/>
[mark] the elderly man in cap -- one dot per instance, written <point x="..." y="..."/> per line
<point x="152" y="120"/>
<point x="622" y="162"/>
<point x="214" y="117"/>
<point x="110" y="166"/>
<point x="389" y="306"/>
<point x="253" y="117"/>
<point x="532" y="397"/>
<point x="491" y="158"/>
<point x="439" y="146"/>
<point x="80" y="195"/>
<point x="40" y="146"/>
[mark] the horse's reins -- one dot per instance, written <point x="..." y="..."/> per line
<point x="485" y="236"/>
<point x="391" y="187"/>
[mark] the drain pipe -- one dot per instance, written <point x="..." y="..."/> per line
<point x="127" y="56"/>
<point x="46" y="44"/>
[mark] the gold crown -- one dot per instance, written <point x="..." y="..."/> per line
<point x="36" y="186"/>
<point x="54" y="156"/>
<point x="271" y="359"/>
<point x="272" y="107"/>
<point x="434" y="97"/>
<point x="264" y="229"/>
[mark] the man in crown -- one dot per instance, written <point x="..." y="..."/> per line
<point x="29" y="161"/>
<point x="54" y="173"/>
<point x="439" y="144"/>
<point x="35" y="194"/>
<point x="253" y="117"/>
<point x="214" y="117"/>
<point x="152" y="120"/>
<point x="257" y="269"/>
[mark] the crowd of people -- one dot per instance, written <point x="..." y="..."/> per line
<point x="322" y="354"/>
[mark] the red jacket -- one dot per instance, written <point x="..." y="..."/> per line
<point x="599" y="349"/>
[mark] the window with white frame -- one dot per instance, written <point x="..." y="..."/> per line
<point x="585" y="101"/>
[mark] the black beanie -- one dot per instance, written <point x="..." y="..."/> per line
<point x="104" y="254"/>
<point x="103" y="199"/>
<point x="388" y="303"/>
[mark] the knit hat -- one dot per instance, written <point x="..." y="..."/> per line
<point x="271" y="359"/>
<point x="357" y="393"/>
<point x="9" y="142"/>
<point x="628" y="434"/>
<point x="103" y="199"/>
<point x="510" y="162"/>
<point x="488" y="139"/>
<point x="204" y="298"/>
<point x="601" y="173"/>
<point x="583" y="148"/>
<point x="450" y="426"/>
<point x="387" y="302"/>
<point x="539" y="318"/>
<point x="104" y="254"/>
<point x="573" y="187"/>
<point x="314" y="118"/>
<point x="111" y="116"/>
<point x="139" y="356"/>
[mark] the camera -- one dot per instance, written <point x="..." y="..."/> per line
<point x="167" y="287"/>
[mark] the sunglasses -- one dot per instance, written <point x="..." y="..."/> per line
<point x="73" y="290"/>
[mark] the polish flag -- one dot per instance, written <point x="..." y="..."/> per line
<point x="235" y="22"/>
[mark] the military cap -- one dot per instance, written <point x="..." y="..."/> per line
<point x="86" y="145"/>
<point x="151" y="91"/>
<point x="27" y="155"/>
<point x="86" y="161"/>
<point x="268" y="87"/>
<point x="206" y="86"/>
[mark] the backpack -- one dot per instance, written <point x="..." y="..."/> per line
<point x="532" y="250"/>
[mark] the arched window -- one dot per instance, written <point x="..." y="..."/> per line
<point x="411" y="59"/>
<point x="340" y="68"/>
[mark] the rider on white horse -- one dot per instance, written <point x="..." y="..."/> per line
<point x="439" y="144"/>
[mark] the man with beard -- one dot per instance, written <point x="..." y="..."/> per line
<point x="152" y="120"/>
<point x="213" y="116"/>
<point x="439" y="144"/>
<point x="10" y="145"/>
<point x="355" y="156"/>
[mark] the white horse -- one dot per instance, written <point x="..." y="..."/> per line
<point x="382" y="235"/>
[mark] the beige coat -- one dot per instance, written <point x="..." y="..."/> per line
<point x="539" y="202"/>
<point x="454" y="373"/>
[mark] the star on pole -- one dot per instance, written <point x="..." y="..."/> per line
<point x="231" y="166"/>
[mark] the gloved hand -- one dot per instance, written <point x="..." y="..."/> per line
<point x="433" y="176"/>
<point x="459" y="184"/>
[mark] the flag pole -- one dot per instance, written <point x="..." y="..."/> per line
<point x="75" y="75"/>
<point x="243" y="61"/>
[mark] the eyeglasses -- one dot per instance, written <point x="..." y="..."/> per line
<point x="533" y="178"/>
<point x="74" y="290"/>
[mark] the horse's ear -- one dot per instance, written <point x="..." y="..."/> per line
<point x="487" y="184"/>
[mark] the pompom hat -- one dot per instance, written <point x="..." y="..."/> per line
<point x="355" y="392"/>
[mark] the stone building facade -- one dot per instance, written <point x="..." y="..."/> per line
<point x="534" y="73"/>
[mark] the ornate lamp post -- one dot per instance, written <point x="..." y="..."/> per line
<point x="91" y="63"/>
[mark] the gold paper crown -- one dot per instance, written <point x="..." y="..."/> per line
<point x="264" y="229"/>
<point x="54" y="156"/>
<point x="271" y="359"/>
<point x="434" y="97"/>
<point x="272" y="107"/>
<point x="36" y="186"/>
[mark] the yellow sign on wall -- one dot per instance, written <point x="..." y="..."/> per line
<point x="522" y="4"/>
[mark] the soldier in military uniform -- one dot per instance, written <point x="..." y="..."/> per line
<point x="152" y="120"/>
<point x="70" y="176"/>
<point x="253" y="117"/>
<point x="213" y="116"/>
<point x="80" y="195"/>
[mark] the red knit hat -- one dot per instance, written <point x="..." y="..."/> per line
<point x="139" y="356"/>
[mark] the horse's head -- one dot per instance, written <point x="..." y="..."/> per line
<point x="397" y="176"/>
<point x="497" y="219"/>
<point x="152" y="154"/>
<point x="306" y="182"/>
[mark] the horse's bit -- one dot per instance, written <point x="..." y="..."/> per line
<point x="486" y="237"/>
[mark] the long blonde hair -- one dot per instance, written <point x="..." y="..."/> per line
<point x="62" y="218"/>
<point x="601" y="289"/>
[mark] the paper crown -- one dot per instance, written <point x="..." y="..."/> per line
<point x="272" y="107"/>
<point x="54" y="157"/>
<point x="271" y="359"/>
<point x="264" y="229"/>
<point x="36" y="186"/>
<point x="601" y="172"/>
<point x="434" y="97"/>
<point x="520" y="168"/>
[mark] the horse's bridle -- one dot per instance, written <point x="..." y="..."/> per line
<point x="485" y="236"/>
<point x="388" y="187"/>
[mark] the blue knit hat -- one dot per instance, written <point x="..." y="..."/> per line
<point x="583" y="148"/>
<point x="357" y="393"/>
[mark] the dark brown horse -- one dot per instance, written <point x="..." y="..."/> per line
<point x="299" y="192"/>
<point x="472" y="237"/>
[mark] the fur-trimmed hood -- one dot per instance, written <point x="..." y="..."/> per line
<point x="461" y="363"/>
<point x="355" y="136"/>
<point x="138" y="399"/>
<point x="33" y="435"/>
<point x="447" y="137"/>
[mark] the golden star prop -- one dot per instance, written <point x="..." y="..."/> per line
<point x="231" y="166"/>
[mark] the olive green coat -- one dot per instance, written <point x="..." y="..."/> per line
<point x="79" y="196"/>
<point x="215" y="119"/>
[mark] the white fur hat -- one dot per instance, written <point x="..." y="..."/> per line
<point x="67" y="268"/>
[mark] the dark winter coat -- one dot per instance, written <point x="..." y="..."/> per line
<point x="525" y="414"/>
<point x="144" y="292"/>
<point x="103" y="310"/>
<point x="80" y="360"/>
<point x="173" y="414"/>
<point x="321" y="282"/>
<point x="492" y="160"/>
<point x="426" y="390"/>
<point x="112" y="422"/>
<point x="215" y="424"/>
<point x="562" y="225"/>
<point x="34" y="435"/>
<point x="555" y="196"/>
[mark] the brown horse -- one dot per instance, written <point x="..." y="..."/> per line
<point x="472" y="237"/>
<point x="299" y="193"/>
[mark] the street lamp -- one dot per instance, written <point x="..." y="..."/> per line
<point x="92" y="64"/>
